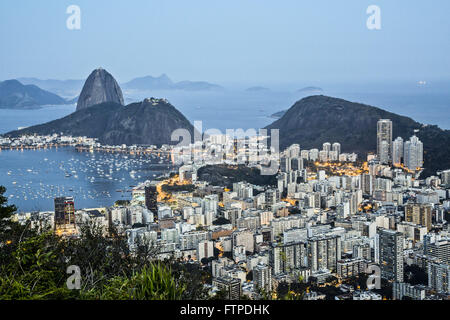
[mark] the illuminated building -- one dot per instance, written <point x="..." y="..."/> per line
<point x="397" y="151"/>
<point x="244" y="238"/>
<point x="445" y="176"/>
<point x="337" y="148"/>
<point x="326" y="147"/>
<point x="285" y="258"/>
<point x="419" y="214"/>
<point x="439" y="277"/>
<point x="439" y="249"/>
<point x="401" y="290"/>
<point x="262" y="277"/>
<point x="64" y="213"/>
<point x="384" y="140"/>
<point x="324" y="252"/>
<point x="231" y="287"/>
<point x="350" y="267"/>
<point x="413" y="153"/>
<point x="151" y="196"/>
<point x="205" y="249"/>
<point x="391" y="255"/>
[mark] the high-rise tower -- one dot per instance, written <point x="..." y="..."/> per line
<point x="64" y="213"/>
<point x="397" y="151"/>
<point x="151" y="197"/>
<point x="413" y="153"/>
<point x="384" y="140"/>
<point x="391" y="255"/>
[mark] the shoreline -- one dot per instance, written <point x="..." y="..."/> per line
<point x="132" y="150"/>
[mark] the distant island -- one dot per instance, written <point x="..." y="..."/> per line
<point x="15" y="95"/>
<point x="71" y="89"/>
<point x="163" y="82"/>
<point x="278" y="115"/>
<point x="65" y="88"/>
<point x="257" y="89"/>
<point x="311" y="90"/>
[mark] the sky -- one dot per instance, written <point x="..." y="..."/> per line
<point x="241" y="41"/>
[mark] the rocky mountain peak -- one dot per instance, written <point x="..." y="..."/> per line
<point x="99" y="87"/>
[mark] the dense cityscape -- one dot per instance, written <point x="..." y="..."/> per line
<point x="328" y="222"/>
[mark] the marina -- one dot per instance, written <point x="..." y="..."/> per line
<point x="33" y="178"/>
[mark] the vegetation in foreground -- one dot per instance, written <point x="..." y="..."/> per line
<point x="33" y="265"/>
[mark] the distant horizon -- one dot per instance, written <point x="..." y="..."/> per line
<point x="288" y="85"/>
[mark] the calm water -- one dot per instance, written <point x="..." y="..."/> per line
<point x="34" y="177"/>
<point x="13" y="119"/>
<point x="234" y="109"/>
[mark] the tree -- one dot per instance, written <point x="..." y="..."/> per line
<point x="358" y="282"/>
<point x="33" y="265"/>
<point x="11" y="233"/>
<point x="154" y="282"/>
<point x="291" y="291"/>
<point x="415" y="275"/>
<point x="386" y="289"/>
<point x="36" y="271"/>
<point x="221" y="221"/>
<point x="5" y="210"/>
<point x="331" y="279"/>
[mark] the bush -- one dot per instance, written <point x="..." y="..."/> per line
<point x="154" y="282"/>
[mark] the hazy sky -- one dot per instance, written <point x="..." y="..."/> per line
<point x="224" y="41"/>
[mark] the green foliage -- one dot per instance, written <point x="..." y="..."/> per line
<point x="330" y="292"/>
<point x="5" y="210"/>
<point x="358" y="282"/>
<point x="386" y="289"/>
<point x="415" y="275"/>
<point x="221" y="221"/>
<point x="34" y="271"/>
<point x="37" y="270"/>
<point x="157" y="283"/>
<point x="122" y="202"/>
<point x="291" y="291"/>
<point x="33" y="266"/>
<point x="220" y="295"/>
<point x="11" y="233"/>
<point x="228" y="174"/>
<point x="5" y="214"/>
<point x="153" y="282"/>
